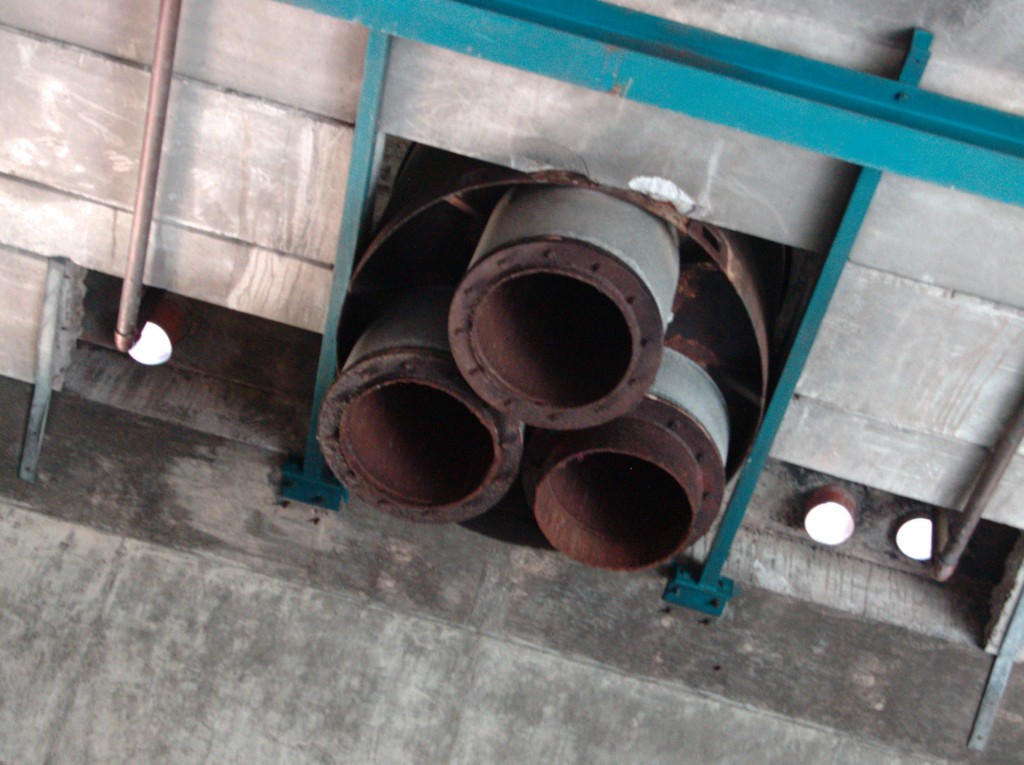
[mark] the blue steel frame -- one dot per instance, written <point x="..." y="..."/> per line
<point x="310" y="481"/>
<point x="879" y="124"/>
<point x="859" y="118"/>
<point x="710" y="591"/>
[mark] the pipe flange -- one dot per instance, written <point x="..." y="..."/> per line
<point x="633" y="492"/>
<point x="709" y="462"/>
<point x="403" y="431"/>
<point x="560" y="317"/>
<point x="618" y="496"/>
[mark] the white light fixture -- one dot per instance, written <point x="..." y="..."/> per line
<point x="914" y="537"/>
<point x="164" y="326"/>
<point x="831" y="516"/>
<point x="153" y="346"/>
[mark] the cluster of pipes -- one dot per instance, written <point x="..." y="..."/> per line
<point x="546" y="360"/>
<point x="557" y="315"/>
<point x="503" y="324"/>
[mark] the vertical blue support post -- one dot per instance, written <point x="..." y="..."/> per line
<point x="710" y="592"/>
<point x="310" y="481"/>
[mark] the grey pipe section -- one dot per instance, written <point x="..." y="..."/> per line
<point x="127" y="332"/>
<point x="685" y="385"/>
<point x="647" y="245"/>
<point x="944" y="562"/>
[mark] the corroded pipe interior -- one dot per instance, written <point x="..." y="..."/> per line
<point x="553" y="339"/>
<point x="416" y="443"/>
<point x="613" y="510"/>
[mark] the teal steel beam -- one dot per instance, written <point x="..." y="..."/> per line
<point x="711" y="591"/>
<point x="310" y="481"/>
<point x="856" y="117"/>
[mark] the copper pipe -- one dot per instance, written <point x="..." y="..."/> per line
<point x="127" y="332"/>
<point x="944" y="562"/>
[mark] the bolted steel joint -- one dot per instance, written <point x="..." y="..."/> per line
<point x="560" y="317"/>
<point x="633" y="492"/>
<point x="403" y="431"/>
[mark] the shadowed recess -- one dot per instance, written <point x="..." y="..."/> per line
<point x="553" y="339"/>
<point x="416" y="443"/>
<point x="613" y="510"/>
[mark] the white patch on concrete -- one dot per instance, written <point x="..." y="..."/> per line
<point x="120" y="163"/>
<point x="525" y="563"/>
<point x="51" y="95"/>
<point x="704" y="199"/>
<point x="22" y="151"/>
<point x="402" y="553"/>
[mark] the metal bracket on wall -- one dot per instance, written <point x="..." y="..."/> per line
<point x="998" y="679"/>
<point x="709" y="596"/>
<point x="42" y="393"/>
<point x="710" y="591"/>
<point x="309" y="480"/>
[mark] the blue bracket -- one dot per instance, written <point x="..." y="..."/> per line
<point x="309" y="480"/>
<point x="321" y="491"/>
<point x="710" y="591"/>
<point x="709" y="598"/>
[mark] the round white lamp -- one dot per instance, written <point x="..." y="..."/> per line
<point x="831" y="515"/>
<point x="914" y="536"/>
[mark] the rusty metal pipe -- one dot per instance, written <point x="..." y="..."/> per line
<point x="944" y="562"/>
<point x="402" y="429"/>
<point x="560" y="317"/>
<point x="630" y="493"/>
<point x="127" y="332"/>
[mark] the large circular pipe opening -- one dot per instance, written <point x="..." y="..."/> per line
<point x="416" y="444"/>
<point x="552" y="339"/>
<point x="613" y="510"/>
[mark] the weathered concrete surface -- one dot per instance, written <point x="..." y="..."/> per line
<point x="141" y="482"/>
<point x="268" y="419"/>
<point x="22" y="294"/>
<point x="270" y="50"/>
<point x="220" y="379"/>
<point x="250" y="194"/>
<point x="918" y="358"/>
<point x="118" y="651"/>
<point x="218" y="382"/>
<point x="204" y="266"/>
<point x="22" y="282"/>
<point x="231" y="165"/>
